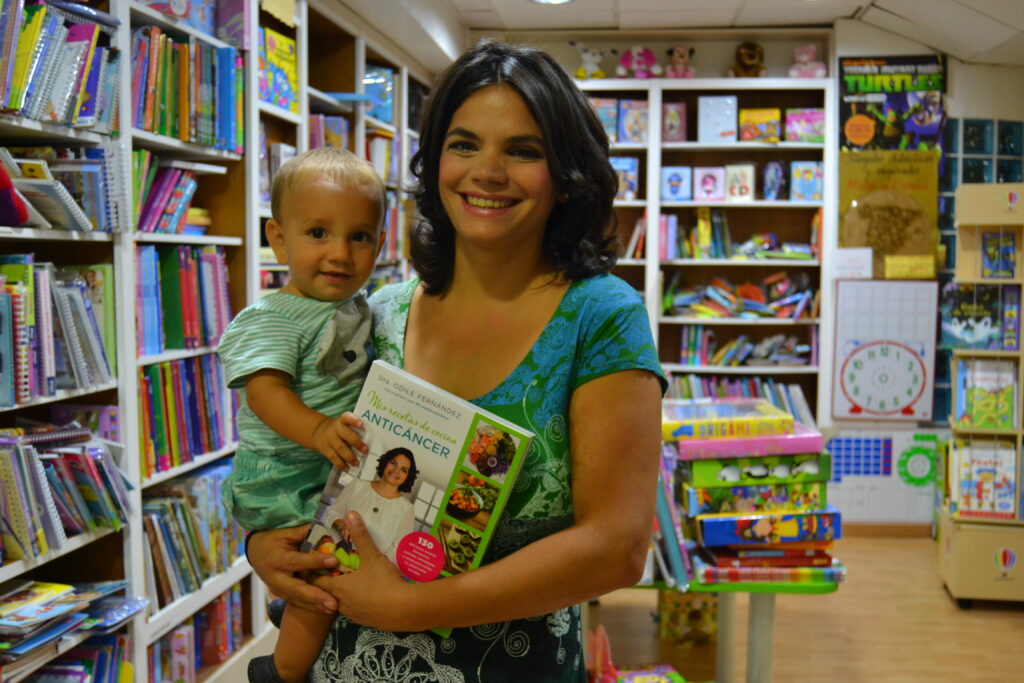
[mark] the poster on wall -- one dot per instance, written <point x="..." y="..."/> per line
<point x="884" y="350"/>
<point x="891" y="102"/>
<point x="888" y="202"/>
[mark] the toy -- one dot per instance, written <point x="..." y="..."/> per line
<point x="805" y="64"/>
<point x="640" y="61"/>
<point x="749" y="61"/>
<point x="679" y="62"/>
<point x="590" y="58"/>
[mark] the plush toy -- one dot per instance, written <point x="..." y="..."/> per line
<point x="679" y="62"/>
<point x="805" y="64"/>
<point x="590" y="61"/>
<point x="749" y="61"/>
<point x="640" y="61"/>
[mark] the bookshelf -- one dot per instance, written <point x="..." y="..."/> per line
<point x="983" y="511"/>
<point x="334" y="48"/>
<point x="652" y="272"/>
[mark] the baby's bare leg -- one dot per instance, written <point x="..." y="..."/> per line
<point x="299" y="642"/>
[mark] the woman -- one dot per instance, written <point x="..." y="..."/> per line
<point x="515" y="311"/>
<point x="387" y="513"/>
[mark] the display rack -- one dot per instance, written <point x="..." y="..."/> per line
<point x="978" y="548"/>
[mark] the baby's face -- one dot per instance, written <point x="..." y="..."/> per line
<point x="329" y="237"/>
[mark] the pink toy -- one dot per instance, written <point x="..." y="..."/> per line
<point x="679" y="62"/>
<point x="640" y="61"/>
<point x="805" y="64"/>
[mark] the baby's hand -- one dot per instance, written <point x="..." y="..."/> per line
<point x="338" y="441"/>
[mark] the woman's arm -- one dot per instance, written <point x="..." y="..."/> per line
<point x="270" y="397"/>
<point x="615" y="424"/>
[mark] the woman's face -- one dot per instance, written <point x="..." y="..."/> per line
<point x="397" y="470"/>
<point x="494" y="179"/>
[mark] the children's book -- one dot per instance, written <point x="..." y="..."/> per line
<point x="707" y="574"/>
<point x="673" y="122"/>
<point x="998" y="255"/>
<point x="676" y="183"/>
<point x="768" y="470"/>
<point x="739" y="183"/>
<point x="716" y="119"/>
<point x="805" y="125"/>
<point x="282" y="82"/>
<point x="454" y="465"/>
<point x="760" y="125"/>
<point x="770" y="527"/>
<point x="986" y="394"/>
<point x="607" y="110"/>
<point x="628" y="170"/>
<point x="722" y="418"/>
<point x="805" y="181"/>
<point x="633" y="122"/>
<point x="709" y="184"/>
<point x="972" y="316"/>
<point x="984" y="478"/>
<point x="758" y="498"/>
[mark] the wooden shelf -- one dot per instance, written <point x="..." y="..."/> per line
<point x="15" y="568"/>
<point x="175" y="354"/>
<point x="741" y="369"/>
<point x="756" y="204"/>
<point x="141" y="14"/>
<point x="15" y="128"/>
<point x="630" y="203"/>
<point x="681" y="320"/>
<point x="279" y="113"/>
<point x="739" y="146"/>
<point x="733" y="262"/>
<point x="179" y="610"/>
<point x="62" y="395"/>
<point x="322" y="103"/>
<point x="156" y="237"/>
<point x="195" y="463"/>
<point x="7" y="233"/>
<point x="180" y="148"/>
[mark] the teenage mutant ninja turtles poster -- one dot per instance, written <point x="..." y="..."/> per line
<point x="891" y="102"/>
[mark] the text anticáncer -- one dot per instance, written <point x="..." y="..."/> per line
<point x="407" y="427"/>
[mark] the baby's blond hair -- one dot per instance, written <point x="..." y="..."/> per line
<point x="337" y="165"/>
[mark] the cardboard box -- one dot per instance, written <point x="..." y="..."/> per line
<point x="981" y="561"/>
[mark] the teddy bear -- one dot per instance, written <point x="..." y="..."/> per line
<point x="749" y="61"/>
<point x="640" y="61"/>
<point x="805" y="63"/>
<point x="590" y="58"/>
<point x="679" y="62"/>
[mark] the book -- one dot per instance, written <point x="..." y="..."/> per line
<point x="998" y="255"/>
<point x="760" y="125"/>
<point x="775" y="180"/>
<point x="757" y="498"/>
<point x="676" y="183"/>
<point x="727" y="557"/>
<point x="628" y="170"/>
<point x="632" y="122"/>
<point x="769" y="527"/>
<point x="707" y="574"/>
<point x="607" y="110"/>
<point x="282" y="81"/>
<point x="463" y="465"/>
<point x="739" y="183"/>
<point x="983" y="478"/>
<point x="379" y="84"/>
<point x="709" y="184"/>
<point x="973" y="316"/>
<point x="716" y="119"/>
<point x="51" y="199"/>
<point x="805" y="125"/>
<point x="767" y="470"/>
<point x="724" y="418"/>
<point x="805" y="181"/>
<point x="986" y="394"/>
<point x="673" y="122"/>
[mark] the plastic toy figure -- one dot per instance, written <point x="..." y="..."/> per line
<point x="805" y="63"/>
<point x="639" y="62"/>
<point x="679" y="58"/>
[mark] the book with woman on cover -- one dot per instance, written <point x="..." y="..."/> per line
<point x="433" y="485"/>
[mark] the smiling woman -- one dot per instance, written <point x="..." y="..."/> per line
<point x="515" y="310"/>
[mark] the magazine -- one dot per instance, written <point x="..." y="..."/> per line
<point x="454" y="465"/>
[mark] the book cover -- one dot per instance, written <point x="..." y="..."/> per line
<point x="775" y="180"/>
<point x="716" y="119"/>
<point x="282" y="81"/>
<point x="54" y="202"/>
<point x="607" y="110"/>
<point x="805" y="181"/>
<point x="335" y="135"/>
<point x="379" y="84"/>
<point x="446" y="468"/>
<point x="770" y="527"/>
<point x="986" y="478"/>
<point x="768" y="470"/>
<point x="998" y="255"/>
<point x="760" y="125"/>
<point x="986" y="394"/>
<point x="757" y="498"/>
<point x="1011" y="318"/>
<point x="676" y="183"/>
<point x="628" y="170"/>
<point x="632" y="122"/>
<point x="673" y="122"/>
<point x="722" y="418"/>
<point x="739" y="183"/>
<point x="709" y="184"/>
<point x="971" y="316"/>
<point x="805" y="125"/>
<point x="726" y="557"/>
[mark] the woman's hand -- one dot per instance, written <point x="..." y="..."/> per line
<point x="275" y="557"/>
<point x="375" y="594"/>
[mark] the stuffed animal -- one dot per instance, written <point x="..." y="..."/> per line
<point x="590" y="61"/>
<point x="749" y="61"/>
<point x="640" y="61"/>
<point x="679" y="62"/>
<point x="805" y="63"/>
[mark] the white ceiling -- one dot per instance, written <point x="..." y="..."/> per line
<point x="977" y="31"/>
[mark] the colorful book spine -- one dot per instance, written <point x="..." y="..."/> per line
<point x="708" y="574"/>
<point x="803" y="439"/>
<point x="769" y="527"/>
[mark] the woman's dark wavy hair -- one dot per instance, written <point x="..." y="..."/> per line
<point x="580" y="239"/>
<point x="388" y="456"/>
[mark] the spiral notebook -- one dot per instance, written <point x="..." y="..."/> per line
<point x="54" y="202"/>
